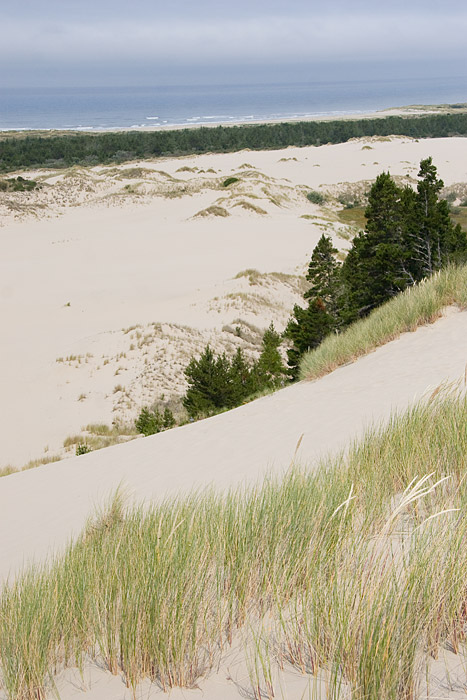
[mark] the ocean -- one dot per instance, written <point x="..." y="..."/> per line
<point x="141" y="107"/>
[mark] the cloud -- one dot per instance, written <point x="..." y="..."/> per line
<point x="236" y="40"/>
<point x="181" y="43"/>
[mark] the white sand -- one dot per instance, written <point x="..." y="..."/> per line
<point x="42" y="508"/>
<point x="137" y="262"/>
<point x="122" y="259"/>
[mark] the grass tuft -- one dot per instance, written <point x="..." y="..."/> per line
<point x="213" y="210"/>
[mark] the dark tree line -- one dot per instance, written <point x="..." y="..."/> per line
<point x="409" y="235"/>
<point x="115" y="147"/>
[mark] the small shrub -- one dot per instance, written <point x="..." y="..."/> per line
<point x="230" y="181"/>
<point x="349" y="201"/>
<point x="82" y="449"/>
<point x="316" y="197"/>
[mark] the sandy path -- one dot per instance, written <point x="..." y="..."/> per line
<point x="43" y="508"/>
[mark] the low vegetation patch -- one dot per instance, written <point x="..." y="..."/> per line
<point x="213" y="210"/>
<point x="82" y="449"/>
<point x="18" y="184"/>
<point x="32" y="464"/>
<point x="459" y="215"/>
<point x="96" y="436"/>
<point x="248" y="206"/>
<point x="354" y="216"/>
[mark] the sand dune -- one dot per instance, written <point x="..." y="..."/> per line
<point x="42" y="508"/>
<point x="97" y="251"/>
<point x="99" y="268"/>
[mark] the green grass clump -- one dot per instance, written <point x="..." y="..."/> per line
<point x="359" y="568"/>
<point x="414" y="307"/>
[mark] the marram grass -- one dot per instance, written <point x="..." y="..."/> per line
<point x="359" y="568"/>
<point x="412" y="308"/>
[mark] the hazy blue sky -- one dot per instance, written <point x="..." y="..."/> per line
<point x="149" y="42"/>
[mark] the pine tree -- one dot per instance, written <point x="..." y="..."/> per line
<point x="149" y="422"/>
<point x="434" y="239"/>
<point x="376" y="266"/>
<point x="209" y="384"/>
<point x="323" y="273"/>
<point x="270" y="370"/>
<point x="310" y="325"/>
<point x="242" y="378"/>
<point x="168" y="418"/>
<point x="307" y="329"/>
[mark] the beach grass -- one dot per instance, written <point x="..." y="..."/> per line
<point x="359" y="565"/>
<point x="416" y="306"/>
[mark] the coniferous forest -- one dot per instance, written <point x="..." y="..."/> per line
<point x="66" y="149"/>
<point x="409" y="235"/>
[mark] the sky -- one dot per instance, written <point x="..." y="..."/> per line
<point x="150" y="42"/>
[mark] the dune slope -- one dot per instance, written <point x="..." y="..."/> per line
<point x="41" y="509"/>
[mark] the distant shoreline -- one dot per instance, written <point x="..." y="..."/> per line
<point x="407" y="110"/>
